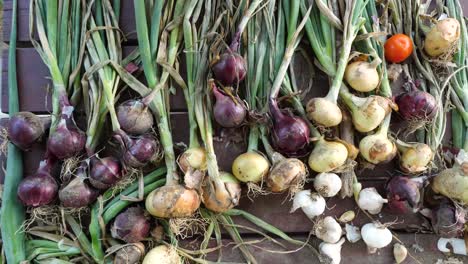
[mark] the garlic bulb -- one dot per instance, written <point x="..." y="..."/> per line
<point x="370" y="200"/>
<point x="327" y="184"/>
<point x="312" y="204"/>
<point x="328" y="230"/>
<point x="376" y="236"/>
<point x="332" y="251"/>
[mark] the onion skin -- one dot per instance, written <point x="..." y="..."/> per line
<point x="290" y="134"/>
<point x="447" y="220"/>
<point x="24" y="129"/>
<point x="229" y="69"/>
<point x="250" y="167"/>
<point x="105" y="172"/>
<point x="194" y="158"/>
<point x="327" y="156"/>
<point x="223" y="195"/>
<point x="377" y="149"/>
<point x="228" y="112"/>
<point x="77" y="193"/>
<point x="38" y="189"/>
<point x="67" y="140"/>
<point x="403" y="195"/>
<point x="362" y="76"/>
<point x="134" y="117"/>
<point x="323" y="112"/>
<point x="416" y="105"/>
<point x="285" y="173"/>
<point x="172" y="201"/>
<point x="131" y="226"/>
<point x="442" y="36"/>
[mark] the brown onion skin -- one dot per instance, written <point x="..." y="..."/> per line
<point x="403" y="195"/>
<point x="447" y="220"/>
<point x="105" y="172"/>
<point x="290" y="134"/>
<point x="134" y="117"/>
<point x="38" y="189"/>
<point x="172" y="201"/>
<point x="230" y="68"/>
<point x="226" y="111"/>
<point x="220" y="198"/>
<point x="131" y="226"/>
<point x="416" y="105"/>
<point x="24" y="129"/>
<point x="285" y="173"/>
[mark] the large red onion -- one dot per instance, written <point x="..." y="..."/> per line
<point x="227" y="112"/>
<point x="77" y="193"/>
<point x="38" y="189"/>
<point x="290" y="133"/>
<point x="416" y="105"/>
<point x="229" y="68"/>
<point x="138" y="151"/>
<point x="132" y="225"/>
<point x="403" y="195"/>
<point x="24" y="129"/>
<point x="67" y="140"/>
<point x="105" y="172"/>
<point x="447" y="220"/>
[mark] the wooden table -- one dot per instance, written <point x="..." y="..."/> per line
<point x="411" y="229"/>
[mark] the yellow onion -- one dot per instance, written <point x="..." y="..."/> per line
<point x="327" y="155"/>
<point x="414" y="157"/>
<point x="367" y="113"/>
<point x="222" y="194"/>
<point x="362" y="76"/>
<point x="130" y="254"/>
<point x="324" y="111"/>
<point x="250" y="167"/>
<point x="172" y="201"/>
<point x="453" y="182"/>
<point x="286" y="172"/>
<point x="377" y="148"/>
<point x="442" y="37"/>
<point x="162" y="254"/>
<point x="194" y="158"/>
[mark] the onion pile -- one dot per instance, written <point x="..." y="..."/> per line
<point x="24" y="129"/>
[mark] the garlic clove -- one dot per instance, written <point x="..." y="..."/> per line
<point x="353" y="233"/>
<point x="399" y="252"/>
<point x="347" y="216"/>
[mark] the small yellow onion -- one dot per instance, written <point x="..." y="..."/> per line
<point x="285" y="173"/>
<point x="362" y="76"/>
<point x="162" y="255"/>
<point x="250" y="167"/>
<point x="453" y="182"/>
<point x="414" y="157"/>
<point x="377" y="148"/>
<point x="172" y="201"/>
<point x="222" y="194"/>
<point x="442" y="37"/>
<point x="193" y="158"/>
<point x="130" y="254"/>
<point x="327" y="155"/>
<point x="324" y="112"/>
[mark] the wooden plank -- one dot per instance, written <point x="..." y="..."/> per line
<point x="350" y="253"/>
<point x="34" y="80"/>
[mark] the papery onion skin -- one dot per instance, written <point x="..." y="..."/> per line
<point x="162" y="254"/>
<point x="77" y="193"/>
<point x="172" y="201"/>
<point x="362" y="76"/>
<point x="442" y="36"/>
<point x="327" y="156"/>
<point x="229" y="69"/>
<point x="222" y="196"/>
<point x="194" y="158"/>
<point x="24" y="129"/>
<point x="377" y="149"/>
<point x="228" y="112"/>
<point x="130" y="254"/>
<point x="447" y="220"/>
<point x="403" y="195"/>
<point x="134" y="117"/>
<point x="286" y="173"/>
<point x="131" y="226"/>
<point x="38" y="189"/>
<point x="324" y="112"/>
<point x="417" y="105"/>
<point x="250" y="167"/>
<point x="105" y="172"/>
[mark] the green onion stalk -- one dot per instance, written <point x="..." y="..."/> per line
<point x="458" y="84"/>
<point x="324" y="111"/>
<point x="12" y="211"/>
<point x="172" y="200"/>
<point x="51" y="249"/>
<point x="60" y="38"/>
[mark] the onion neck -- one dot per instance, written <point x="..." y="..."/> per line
<point x="383" y="129"/>
<point x="235" y="43"/>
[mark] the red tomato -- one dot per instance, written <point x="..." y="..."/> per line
<point x="398" y="48"/>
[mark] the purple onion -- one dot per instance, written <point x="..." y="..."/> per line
<point x="131" y="226"/>
<point x="38" y="189"/>
<point x="416" y="105"/>
<point x="227" y="112"/>
<point x="134" y="117"/>
<point x="77" y="193"/>
<point x="447" y="220"/>
<point x="67" y="140"/>
<point x="24" y="129"/>
<point x="230" y="68"/>
<point x="105" y="172"/>
<point x="290" y="133"/>
<point x="403" y="195"/>
<point x="138" y="151"/>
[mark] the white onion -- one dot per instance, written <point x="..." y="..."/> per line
<point x="370" y="200"/>
<point x="327" y="184"/>
<point x="328" y="230"/>
<point x="162" y="255"/>
<point x="376" y="236"/>
<point x="312" y="204"/>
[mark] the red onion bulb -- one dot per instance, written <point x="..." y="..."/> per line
<point x="403" y="195"/>
<point x="134" y="117"/>
<point x="416" y="105"/>
<point x="105" y="172"/>
<point x="67" y="140"/>
<point x="77" y="193"/>
<point x="38" y="189"/>
<point x="131" y="226"/>
<point x="24" y="129"/>
<point x="229" y="69"/>
<point x="228" y="112"/>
